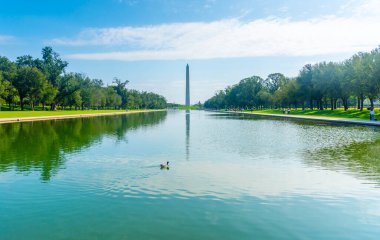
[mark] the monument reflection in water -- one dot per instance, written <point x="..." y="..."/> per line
<point x="187" y="104"/>
<point x="187" y="134"/>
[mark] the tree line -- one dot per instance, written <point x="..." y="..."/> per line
<point x="322" y="85"/>
<point x="45" y="83"/>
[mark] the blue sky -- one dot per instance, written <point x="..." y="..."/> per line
<point x="149" y="42"/>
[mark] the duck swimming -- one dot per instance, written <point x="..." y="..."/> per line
<point x="164" y="166"/>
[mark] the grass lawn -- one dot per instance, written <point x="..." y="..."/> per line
<point x="20" y="114"/>
<point x="188" y="108"/>
<point x="338" y="113"/>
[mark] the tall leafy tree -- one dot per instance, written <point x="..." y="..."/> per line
<point x="120" y="87"/>
<point x="304" y="81"/>
<point x="48" y="95"/>
<point x="346" y="83"/>
<point x="376" y="71"/>
<point x="51" y="65"/>
<point x="67" y="86"/>
<point x="112" y="98"/>
<point x="29" y="82"/>
<point x="8" y="69"/>
<point x="274" y="81"/>
<point x="359" y="77"/>
<point x="85" y="92"/>
<point x="26" y="61"/>
<point x="372" y="77"/>
<point x="2" y="90"/>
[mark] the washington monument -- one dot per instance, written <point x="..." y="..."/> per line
<point x="187" y="86"/>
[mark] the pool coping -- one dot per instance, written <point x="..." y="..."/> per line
<point x="62" y="117"/>
<point x="309" y="118"/>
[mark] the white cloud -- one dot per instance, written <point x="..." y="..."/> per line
<point x="5" y="38"/>
<point x="361" y="8"/>
<point x="356" y="30"/>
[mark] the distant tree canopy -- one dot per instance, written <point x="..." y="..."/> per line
<point x="322" y="85"/>
<point x="45" y="82"/>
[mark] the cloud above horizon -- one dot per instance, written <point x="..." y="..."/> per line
<point x="232" y="38"/>
<point x="5" y="38"/>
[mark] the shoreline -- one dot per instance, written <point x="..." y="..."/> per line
<point x="70" y="116"/>
<point x="310" y="118"/>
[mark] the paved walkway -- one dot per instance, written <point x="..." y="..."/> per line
<point x="59" y="117"/>
<point x="312" y="118"/>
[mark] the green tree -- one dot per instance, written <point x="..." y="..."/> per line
<point x="113" y="100"/>
<point x="26" y="61"/>
<point x="2" y="90"/>
<point x="304" y="81"/>
<point x="29" y="82"/>
<point x="346" y="83"/>
<point x="375" y="79"/>
<point x="85" y="92"/>
<point x="372" y="78"/>
<point x="98" y="96"/>
<point x="8" y="69"/>
<point x="245" y="92"/>
<point x="67" y="85"/>
<point x="48" y="95"/>
<point x="359" y="77"/>
<point x="274" y="81"/>
<point x="218" y="101"/>
<point x="74" y="99"/>
<point x="51" y="65"/>
<point x="121" y="89"/>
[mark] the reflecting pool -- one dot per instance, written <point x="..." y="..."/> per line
<point x="230" y="177"/>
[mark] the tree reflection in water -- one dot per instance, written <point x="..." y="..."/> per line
<point x="43" y="145"/>
<point x="359" y="158"/>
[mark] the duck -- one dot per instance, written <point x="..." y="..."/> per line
<point x="164" y="166"/>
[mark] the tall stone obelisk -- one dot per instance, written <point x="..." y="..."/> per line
<point x="187" y="86"/>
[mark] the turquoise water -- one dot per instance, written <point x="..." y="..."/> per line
<point x="230" y="177"/>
